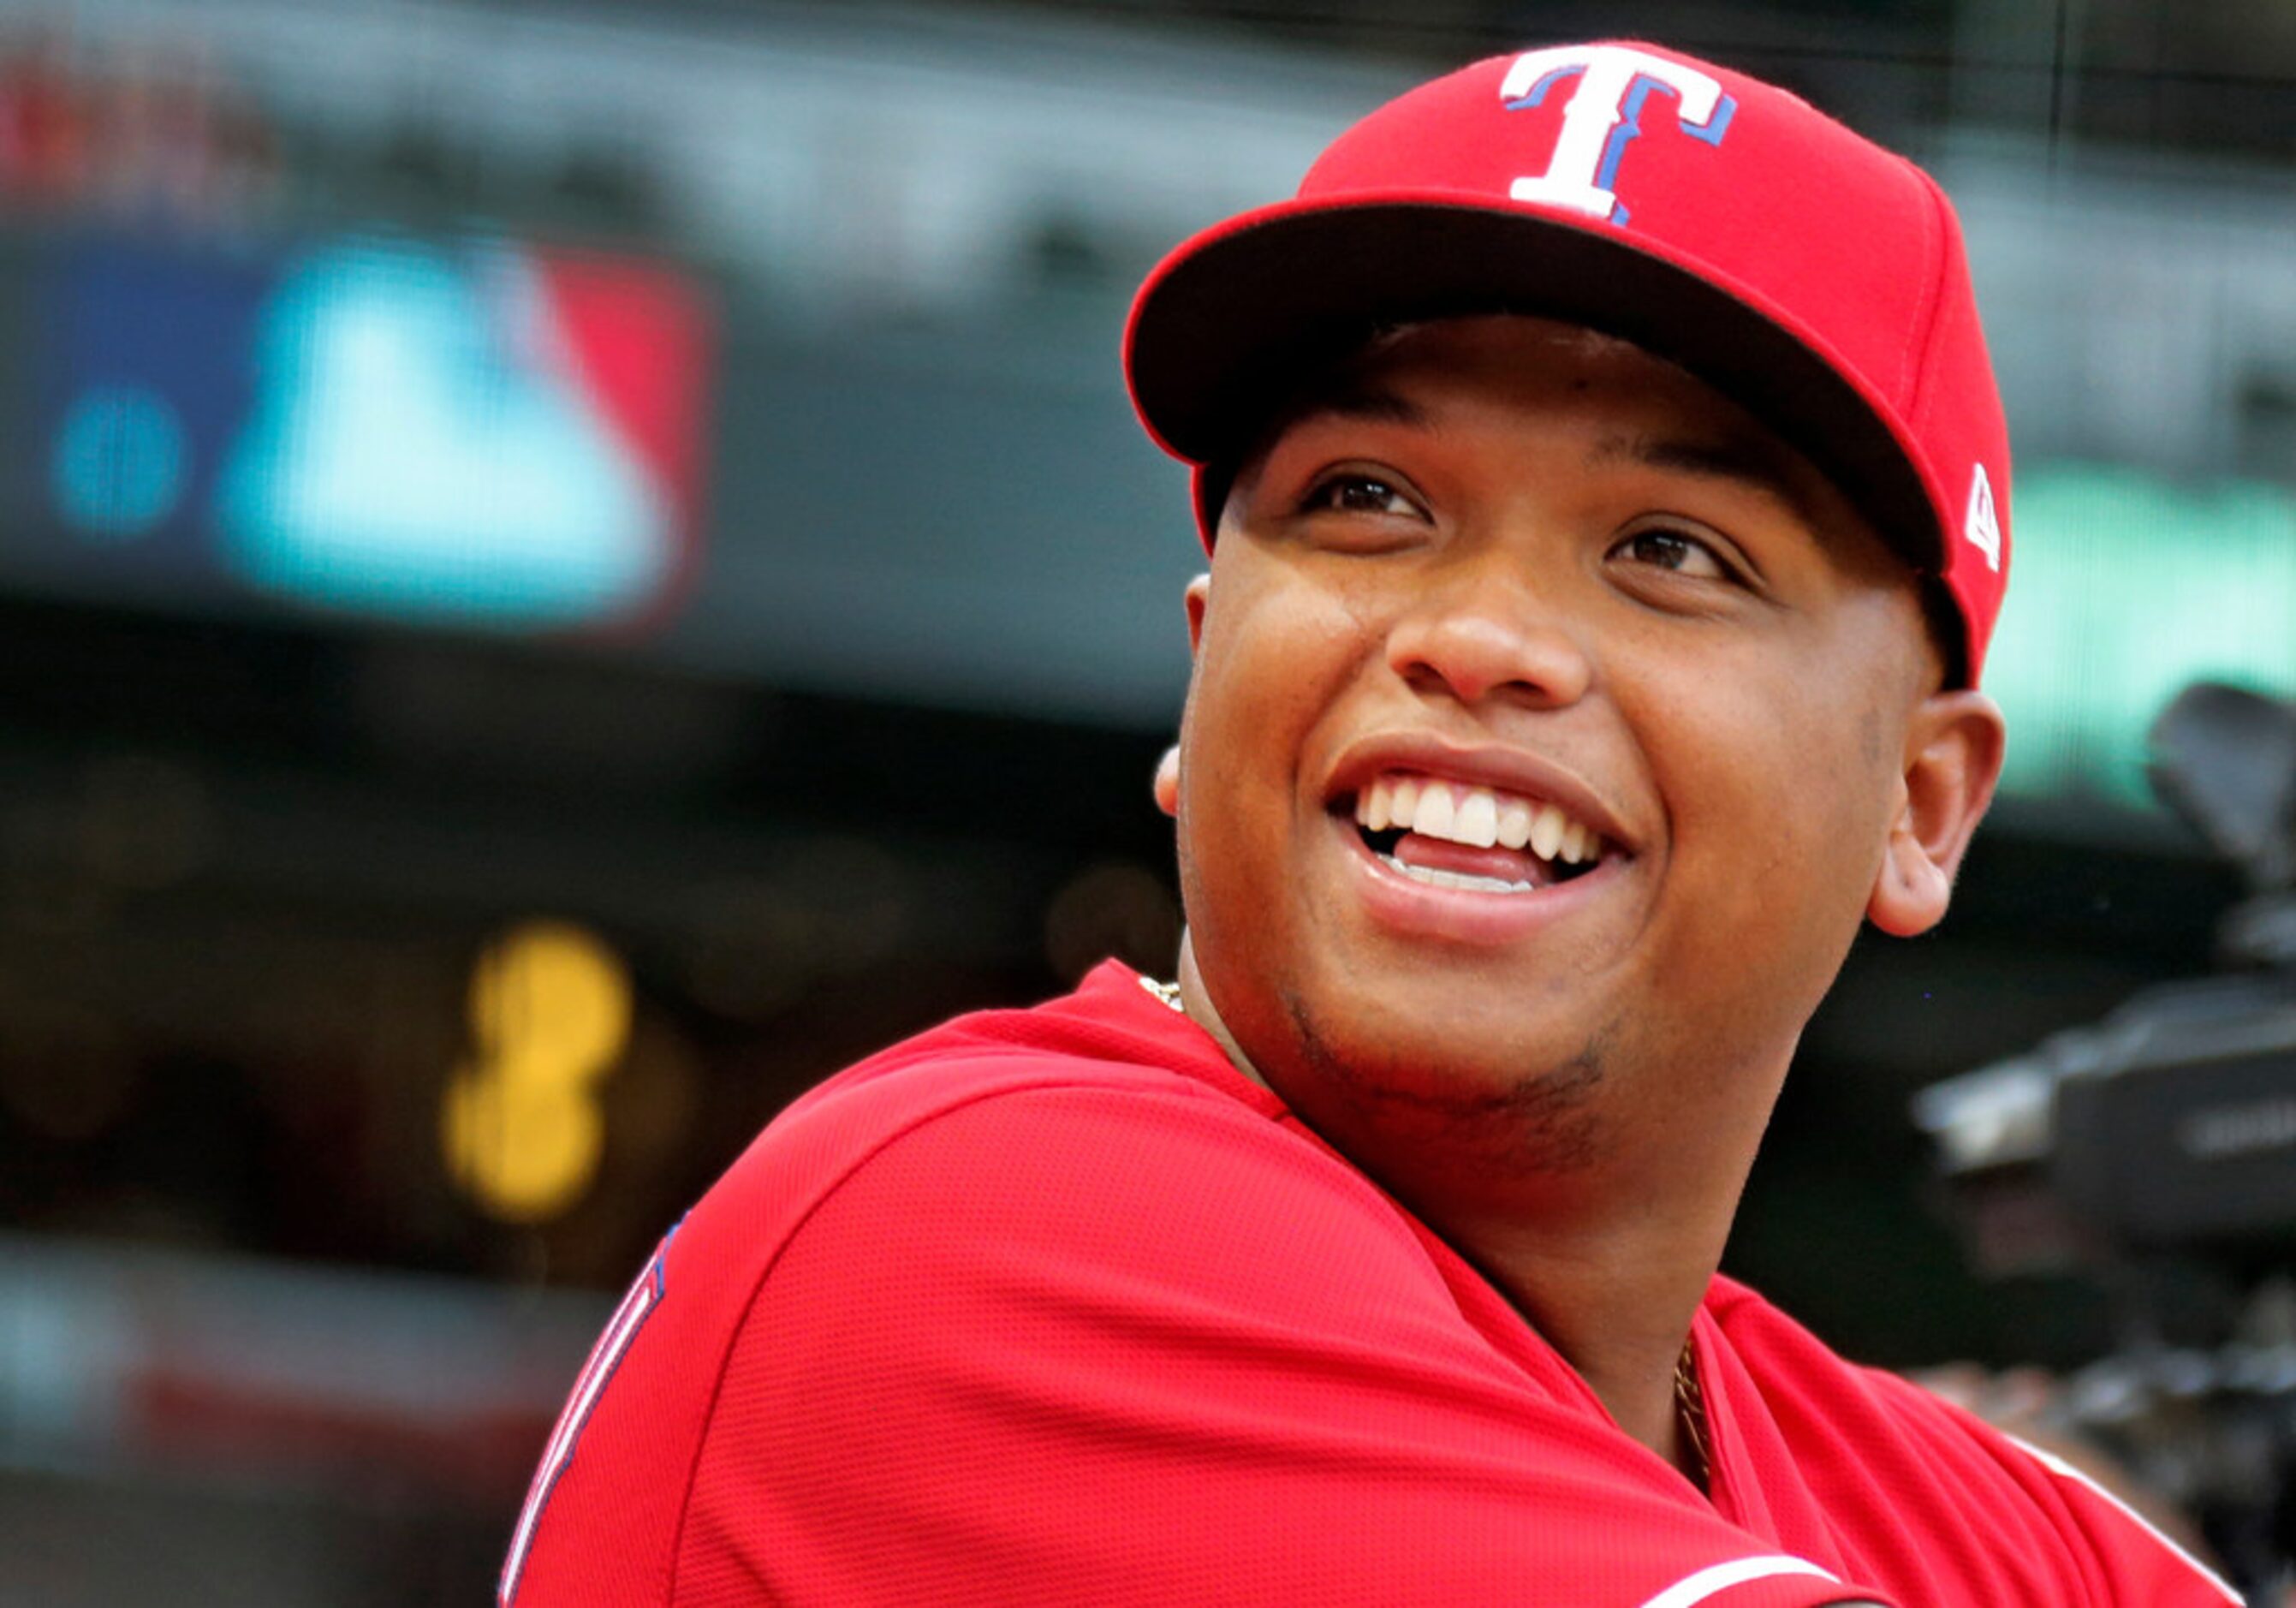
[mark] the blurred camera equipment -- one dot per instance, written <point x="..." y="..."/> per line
<point x="2155" y="1150"/>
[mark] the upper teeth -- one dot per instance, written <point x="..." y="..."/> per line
<point x="1478" y="816"/>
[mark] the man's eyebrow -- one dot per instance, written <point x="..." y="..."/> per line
<point x="1752" y="464"/>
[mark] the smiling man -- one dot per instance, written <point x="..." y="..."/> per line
<point x="1555" y="725"/>
<point x="1603" y="478"/>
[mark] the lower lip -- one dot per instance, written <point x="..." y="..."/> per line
<point x="1463" y="916"/>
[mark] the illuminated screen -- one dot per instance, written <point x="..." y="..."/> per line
<point x="478" y="433"/>
<point x="2124" y="588"/>
<point x="499" y="437"/>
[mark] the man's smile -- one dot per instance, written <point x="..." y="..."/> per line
<point x="1479" y="839"/>
<point x="1471" y="842"/>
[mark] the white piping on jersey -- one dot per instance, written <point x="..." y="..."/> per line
<point x="1721" y="1576"/>
<point x="604" y="1357"/>
<point x="2065" y="1471"/>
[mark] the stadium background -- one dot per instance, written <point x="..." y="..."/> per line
<point x="567" y="568"/>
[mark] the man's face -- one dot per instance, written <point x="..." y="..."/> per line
<point x="1521" y="566"/>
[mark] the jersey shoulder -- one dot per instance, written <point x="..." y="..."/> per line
<point x="953" y="1114"/>
<point x="1129" y="1339"/>
<point x="1069" y="1303"/>
<point x="1933" y="1500"/>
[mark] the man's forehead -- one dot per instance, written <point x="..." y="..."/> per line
<point x="1356" y="362"/>
<point x="1358" y="377"/>
<point x="1692" y="428"/>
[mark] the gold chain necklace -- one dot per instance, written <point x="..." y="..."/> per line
<point x="1690" y="1404"/>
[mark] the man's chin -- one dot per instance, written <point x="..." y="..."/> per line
<point x="1389" y="1062"/>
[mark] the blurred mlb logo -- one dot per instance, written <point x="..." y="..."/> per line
<point x="473" y="433"/>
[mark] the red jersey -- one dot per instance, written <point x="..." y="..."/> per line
<point x="1056" y="1305"/>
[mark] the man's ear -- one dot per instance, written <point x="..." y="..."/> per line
<point x="1953" y="746"/>
<point x="1167" y="784"/>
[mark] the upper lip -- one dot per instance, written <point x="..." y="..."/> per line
<point x="1494" y="765"/>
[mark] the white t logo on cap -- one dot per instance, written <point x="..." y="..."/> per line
<point x="1980" y="525"/>
<point x="1604" y="115"/>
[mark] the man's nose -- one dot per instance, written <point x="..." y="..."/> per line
<point x="1483" y="635"/>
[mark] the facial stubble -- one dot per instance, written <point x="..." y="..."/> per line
<point x="1541" y="1123"/>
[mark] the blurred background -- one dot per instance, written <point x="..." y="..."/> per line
<point x="601" y="547"/>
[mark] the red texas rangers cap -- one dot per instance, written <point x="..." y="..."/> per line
<point x="1707" y="216"/>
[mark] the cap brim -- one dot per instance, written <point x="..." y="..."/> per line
<point x="1227" y="326"/>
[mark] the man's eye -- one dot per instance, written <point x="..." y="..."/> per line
<point x="1673" y="550"/>
<point x="1359" y="494"/>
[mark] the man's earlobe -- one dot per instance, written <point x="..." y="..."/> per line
<point x="1167" y="784"/>
<point x="1953" y="759"/>
<point x="1198" y="598"/>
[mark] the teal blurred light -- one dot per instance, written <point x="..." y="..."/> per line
<point x="2126" y="587"/>
<point x="421" y="449"/>
<point x="120" y="462"/>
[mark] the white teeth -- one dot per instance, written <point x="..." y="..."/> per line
<point x="1477" y="816"/>
<point x="1433" y="818"/>
<point x="1478" y="822"/>
<point x="1546" y="832"/>
<point x="1514" y="824"/>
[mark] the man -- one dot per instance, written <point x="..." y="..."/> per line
<point x="1605" y="488"/>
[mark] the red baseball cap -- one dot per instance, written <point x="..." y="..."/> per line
<point x="1709" y="217"/>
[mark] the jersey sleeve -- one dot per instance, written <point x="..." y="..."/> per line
<point x="2139" y="1565"/>
<point x="2018" y="1523"/>
<point x="1085" y="1345"/>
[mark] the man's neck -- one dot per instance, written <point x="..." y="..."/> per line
<point x="1611" y="1278"/>
<point x="1615" y="1296"/>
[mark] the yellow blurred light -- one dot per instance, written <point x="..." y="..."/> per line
<point x="550" y="1012"/>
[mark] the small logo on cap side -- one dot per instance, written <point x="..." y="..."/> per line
<point x="1981" y="526"/>
<point x="1604" y="116"/>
